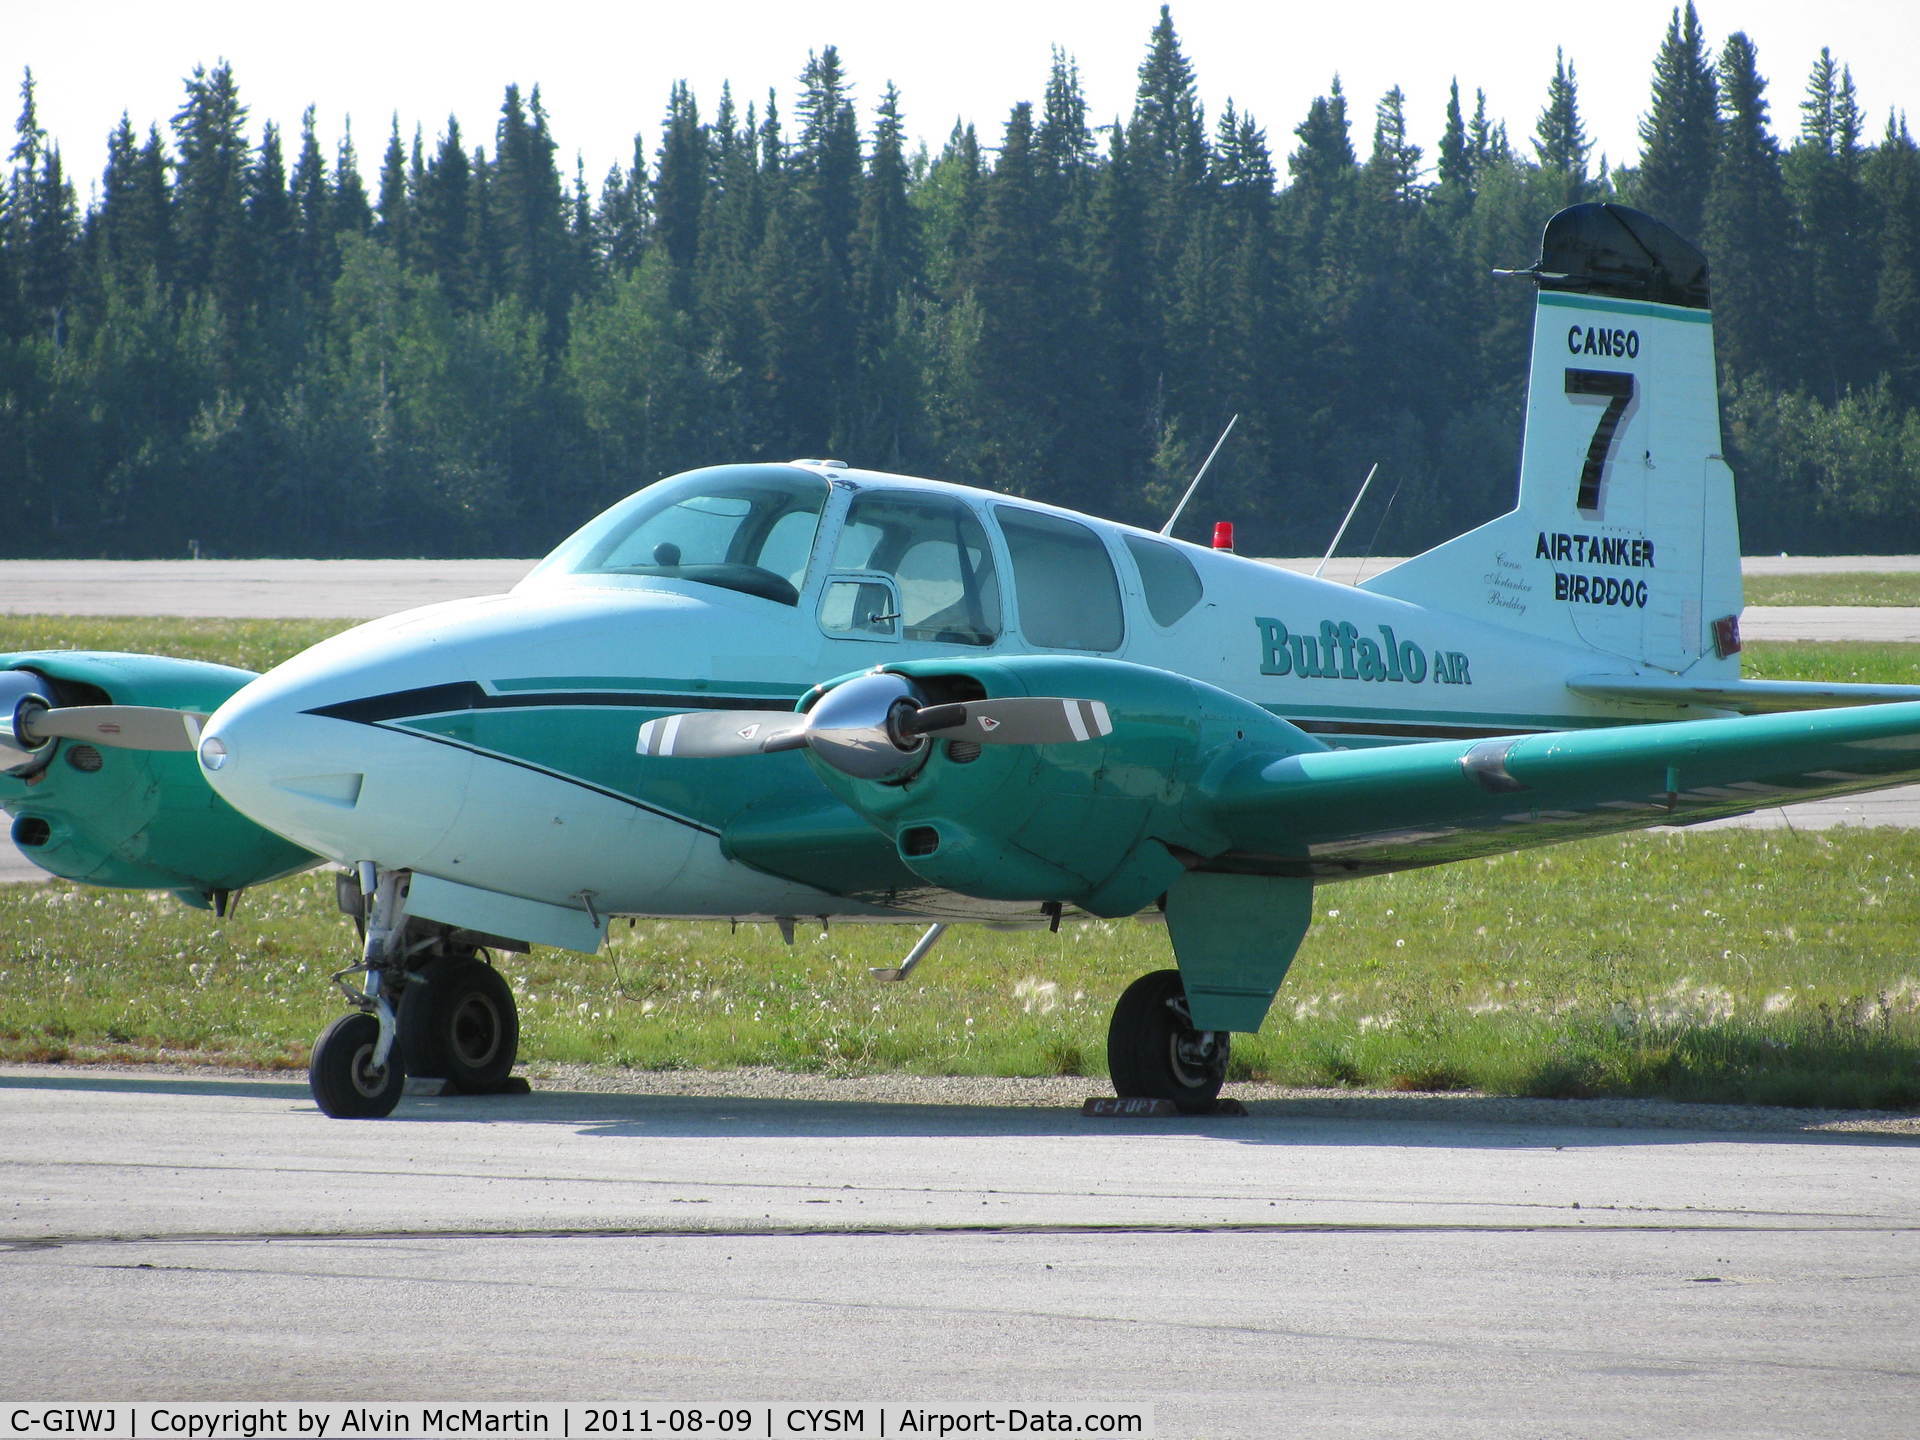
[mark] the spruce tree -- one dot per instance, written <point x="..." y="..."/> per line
<point x="1320" y="203"/>
<point x="275" y="249"/>
<point x="352" y="213"/>
<point x="1893" y="181"/>
<point x="1679" y="135"/>
<point x="1749" y="226"/>
<point x="1393" y="169"/>
<point x="1167" y="136"/>
<point x="620" y="223"/>
<point x="1062" y="143"/>
<point x="883" y="421"/>
<point x="396" y="223"/>
<point x="1560" y="137"/>
<point x="679" y="189"/>
<point x="445" y="222"/>
<point x="1455" y="168"/>
<point x="1825" y="181"/>
<point x="317" y="255"/>
<point x="210" y="183"/>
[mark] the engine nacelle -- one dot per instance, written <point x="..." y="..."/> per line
<point x="134" y="819"/>
<point x="1106" y="824"/>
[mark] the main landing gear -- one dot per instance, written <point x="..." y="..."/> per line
<point x="429" y="1006"/>
<point x="1153" y="1051"/>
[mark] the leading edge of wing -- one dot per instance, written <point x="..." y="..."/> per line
<point x="1745" y="697"/>
<point x="1353" y="812"/>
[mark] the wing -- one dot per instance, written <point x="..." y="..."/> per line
<point x="1188" y="779"/>
<point x="1331" y="814"/>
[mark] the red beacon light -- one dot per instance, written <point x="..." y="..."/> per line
<point x="1223" y="535"/>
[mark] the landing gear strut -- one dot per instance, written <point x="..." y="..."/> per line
<point x="1153" y="1051"/>
<point x="428" y="1006"/>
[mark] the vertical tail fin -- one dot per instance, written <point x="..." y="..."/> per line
<point x="1624" y="539"/>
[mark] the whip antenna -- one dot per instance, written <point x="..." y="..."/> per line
<point x="1346" y="522"/>
<point x="1167" y="529"/>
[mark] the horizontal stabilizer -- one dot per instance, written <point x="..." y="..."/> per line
<point x="1744" y="697"/>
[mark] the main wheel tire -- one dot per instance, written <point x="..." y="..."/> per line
<point x="345" y="1084"/>
<point x="462" y="1025"/>
<point x="1153" y="1051"/>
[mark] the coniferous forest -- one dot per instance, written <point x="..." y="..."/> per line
<point x="240" y="345"/>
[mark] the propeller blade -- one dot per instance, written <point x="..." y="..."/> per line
<point x="1015" y="721"/>
<point x="718" y="734"/>
<point x="124" y="727"/>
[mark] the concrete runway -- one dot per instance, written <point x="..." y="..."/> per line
<point x="1292" y="1272"/>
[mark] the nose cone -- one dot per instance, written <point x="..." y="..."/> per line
<point x="304" y="752"/>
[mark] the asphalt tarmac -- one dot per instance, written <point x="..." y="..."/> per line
<point x="1405" y="1268"/>
<point x="167" y="1237"/>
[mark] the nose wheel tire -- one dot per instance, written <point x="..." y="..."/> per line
<point x="461" y="1025"/>
<point x="1153" y="1051"/>
<point x="345" y="1083"/>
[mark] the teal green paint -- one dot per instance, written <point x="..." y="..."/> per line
<point x="1093" y="824"/>
<point x="1361" y="714"/>
<point x="648" y="685"/>
<point x="1235" y="936"/>
<point x="1365" y="811"/>
<point x="594" y="745"/>
<point x="144" y="820"/>
<point x="811" y="837"/>
<point x="1555" y="299"/>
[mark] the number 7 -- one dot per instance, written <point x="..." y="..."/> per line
<point x="1617" y="385"/>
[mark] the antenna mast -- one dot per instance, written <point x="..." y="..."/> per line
<point x="1346" y="522"/>
<point x="1167" y="529"/>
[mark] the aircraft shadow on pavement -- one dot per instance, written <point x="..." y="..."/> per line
<point x="233" y="1087"/>
<point x="1411" y="1121"/>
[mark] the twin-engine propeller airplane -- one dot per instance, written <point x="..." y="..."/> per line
<point x="1036" y="714"/>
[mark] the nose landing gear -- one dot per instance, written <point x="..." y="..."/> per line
<point x="347" y="1083"/>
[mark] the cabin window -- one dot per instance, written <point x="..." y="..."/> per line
<point x="750" y="530"/>
<point x="1167" y="578"/>
<point x="935" y="551"/>
<point x="1069" y="595"/>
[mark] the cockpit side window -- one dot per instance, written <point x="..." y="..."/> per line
<point x="745" y="530"/>
<point x="936" y="551"/>
<point x="1171" y="584"/>
<point x="1063" y="576"/>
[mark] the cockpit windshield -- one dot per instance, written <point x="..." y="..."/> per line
<point x="745" y="528"/>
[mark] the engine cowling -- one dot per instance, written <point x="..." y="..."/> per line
<point x="1106" y="823"/>
<point x="132" y="819"/>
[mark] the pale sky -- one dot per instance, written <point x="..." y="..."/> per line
<point x="604" y="69"/>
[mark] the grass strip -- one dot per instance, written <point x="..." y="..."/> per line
<point x="1738" y="966"/>
<point x="1844" y="588"/>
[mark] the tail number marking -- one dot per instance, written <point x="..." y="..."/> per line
<point x="1617" y="386"/>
